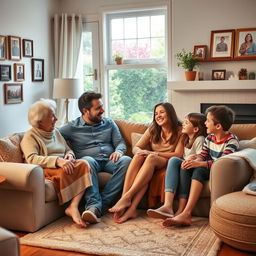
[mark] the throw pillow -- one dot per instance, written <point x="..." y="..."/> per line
<point x="250" y="188"/>
<point x="10" y="149"/>
<point x="247" y="143"/>
<point x="135" y="138"/>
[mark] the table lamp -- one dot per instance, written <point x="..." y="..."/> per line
<point x="67" y="88"/>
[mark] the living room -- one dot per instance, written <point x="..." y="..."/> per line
<point x="190" y="23"/>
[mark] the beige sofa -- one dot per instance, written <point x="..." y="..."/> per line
<point x="29" y="202"/>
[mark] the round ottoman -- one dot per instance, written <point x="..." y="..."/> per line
<point x="233" y="220"/>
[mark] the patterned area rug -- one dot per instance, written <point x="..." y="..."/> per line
<point x="142" y="236"/>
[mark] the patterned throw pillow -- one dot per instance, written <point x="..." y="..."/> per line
<point x="10" y="149"/>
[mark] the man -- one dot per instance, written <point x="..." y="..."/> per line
<point x="20" y="74"/>
<point x="97" y="140"/>
<point x="222" y="46"/>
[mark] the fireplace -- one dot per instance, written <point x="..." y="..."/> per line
<point x="245" y="113"/>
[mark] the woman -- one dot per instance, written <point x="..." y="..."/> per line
<point x="248" y="47"/>
<point x="163" y="138"/>
<point x="43" y="145"/>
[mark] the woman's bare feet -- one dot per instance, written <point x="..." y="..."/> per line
<point x="123" y="203"/>
<point x="182" y="219"/>
<point x="74" y="213"/>
<point x="117" y="215"/>
<point x="130" y="213"/>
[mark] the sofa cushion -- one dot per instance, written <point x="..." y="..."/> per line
<point x="10" y="149"/>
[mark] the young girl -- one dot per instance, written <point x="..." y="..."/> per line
<point x="164" y="139"/>
<point x="195" y="130"/>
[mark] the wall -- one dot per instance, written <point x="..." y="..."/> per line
<point x="193" y="21"/>
<point x="29" y="19"/>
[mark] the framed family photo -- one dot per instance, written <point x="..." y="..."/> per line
<point x="37" y="70"/>
<point x="14" y="46"/>
<point x="5" y="73"/>
<point x="219" y="74"/>
<point x="27" y="46"/>
<point x="245" y="44"/>
<point x="3" y="47"/>
<point x="200" y="51"/>
<point x="222" y="44"/>
<point x="13" y="93"/>
<point x="19" y="72"/>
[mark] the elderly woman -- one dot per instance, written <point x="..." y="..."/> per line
<point x="44" y="145"/>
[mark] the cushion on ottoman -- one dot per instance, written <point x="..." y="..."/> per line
<point x="9" y="243"/>
<point x="233" y="219"/>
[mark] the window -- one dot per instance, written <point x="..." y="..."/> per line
<point x="140" y="82"/>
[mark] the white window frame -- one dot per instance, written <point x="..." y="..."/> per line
<point x="106" y="66"/>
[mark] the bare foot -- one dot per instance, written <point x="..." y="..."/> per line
<point x="129" y="214"/>
<point x="73" y="212"/>
<point x="123" y="203"/>
<point x="180" y="220"/>
<point x="117" y="215"/>
<point x="166" y="209"/>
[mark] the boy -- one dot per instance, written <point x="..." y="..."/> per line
<point x="219" y="142"/>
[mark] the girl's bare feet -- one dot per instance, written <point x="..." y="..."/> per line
<point x="123" y="203"/>
<point x="117" y="215"/>
<point x="182" y="219"/>
<point x="166" y="209"/>
<point x="74" y="213"/>
<point x="129" y="214"/>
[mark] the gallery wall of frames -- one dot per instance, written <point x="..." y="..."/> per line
<point x="14" y="49"/>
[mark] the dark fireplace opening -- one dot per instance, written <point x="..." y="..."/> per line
<point x="245" y="113"/>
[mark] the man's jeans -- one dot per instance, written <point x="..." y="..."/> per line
<point x="104" y="200"/>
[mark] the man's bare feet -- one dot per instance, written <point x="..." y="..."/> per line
<point x="74" y="213"/>
<point x="180" y="220"/>
<point x="123" y="203"/>
<point x="129" y="214"/>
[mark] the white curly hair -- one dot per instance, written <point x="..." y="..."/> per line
<point x="39" y="110"/>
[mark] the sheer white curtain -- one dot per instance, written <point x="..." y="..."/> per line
<point x="67" y="44"/>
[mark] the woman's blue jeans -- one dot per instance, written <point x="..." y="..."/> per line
<point x="177" y="179"/>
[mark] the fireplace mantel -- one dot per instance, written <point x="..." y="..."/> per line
<point x="222" y="85"/>
<point x="187" y="96"/>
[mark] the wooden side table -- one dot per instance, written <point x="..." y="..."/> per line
<point x="2" y="179"/>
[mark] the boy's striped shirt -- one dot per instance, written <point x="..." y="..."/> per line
<point x="213" y="149"/>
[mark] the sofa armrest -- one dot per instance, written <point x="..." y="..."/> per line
<point x="228" y="175"/>
<point x="20" y="176"/>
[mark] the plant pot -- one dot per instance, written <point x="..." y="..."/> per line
<point x="119" y="61"/>
<point x="190" y="75"/>
<point x="242" y="77"/>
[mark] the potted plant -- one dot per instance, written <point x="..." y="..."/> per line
<point x="188" y="61"/>
<point x="118" y="58"/>
<point x="242" y="74"/>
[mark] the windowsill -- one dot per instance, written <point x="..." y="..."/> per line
<point x="134" y="66"/>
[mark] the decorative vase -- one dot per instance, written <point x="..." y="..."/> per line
<point x="190" y="75"/>
<point x="242" y="77"/>
<point x="251" y="76"/>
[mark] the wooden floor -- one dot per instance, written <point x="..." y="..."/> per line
<point x="36" y="251"/>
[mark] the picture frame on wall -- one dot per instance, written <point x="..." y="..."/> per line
<point x="245" y="47"/>
<point x="219" y="74"/>
<point x="200" y="51"/>
<point x="222" y="44"/>
<point x="5" y="73"/>
<point x="19" y="72"/>
<point x="37" y="70"/>
<point x="14" y="46"/>
<point x="3" y="47"/>
<point x="27" y="46"/>
<point x="13" y="93"/>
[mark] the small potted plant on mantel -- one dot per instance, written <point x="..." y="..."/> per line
<point x="188" y="61"/>
<point x="118" y="58"/>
